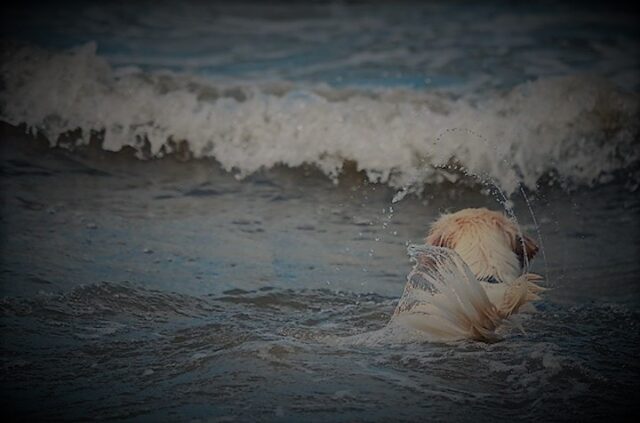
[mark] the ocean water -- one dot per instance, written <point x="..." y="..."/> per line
<point x="203" y="203"/>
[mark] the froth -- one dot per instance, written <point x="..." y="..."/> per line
<point x="579" y="128"/>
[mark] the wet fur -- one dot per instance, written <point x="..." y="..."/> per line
<point x="468" y="278"/>
<point x="490" y="243"/>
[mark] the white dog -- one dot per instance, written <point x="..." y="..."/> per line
<point x="491" y="244"/>
<point x="468" y="278"/>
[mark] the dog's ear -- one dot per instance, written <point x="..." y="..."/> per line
<point x="525" y="246"/>
<point x="521" y="245"/>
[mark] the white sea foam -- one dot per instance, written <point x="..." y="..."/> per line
<point x="579" y="127"/>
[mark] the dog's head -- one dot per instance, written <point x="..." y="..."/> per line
<point x="488" y="241"/>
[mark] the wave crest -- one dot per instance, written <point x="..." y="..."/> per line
<point x="580" y="128"/>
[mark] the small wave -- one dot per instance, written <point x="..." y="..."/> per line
<point x="107" y="299"/>
<point x="582" y="129"/>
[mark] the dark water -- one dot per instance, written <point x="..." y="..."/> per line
<point x="169" y="291"/>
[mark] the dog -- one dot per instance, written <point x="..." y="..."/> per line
<point x="491" y="244"/>
<point x="495" y="249"/>
<point x="468" y="278"/>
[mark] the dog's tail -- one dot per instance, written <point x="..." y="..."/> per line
<point x="443" y="297"/>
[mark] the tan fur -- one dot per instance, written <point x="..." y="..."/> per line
<point x="488" y="241"/>
<point x="442" y="297"/>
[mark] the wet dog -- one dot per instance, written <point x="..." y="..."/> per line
<point x="469" y="277"/>
<point x="492" y="245"/>
<point x="495" y="249"/>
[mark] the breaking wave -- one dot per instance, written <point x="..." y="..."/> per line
<point x="579" y="129"/>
